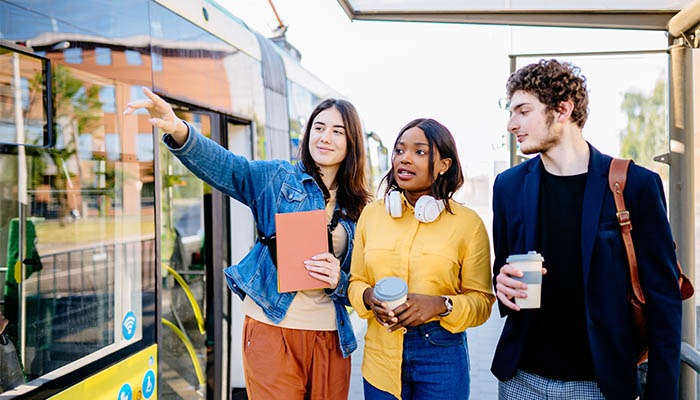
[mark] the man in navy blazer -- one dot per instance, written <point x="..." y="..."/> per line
<point x="580" y="343"/>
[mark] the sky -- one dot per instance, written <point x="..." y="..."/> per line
<point x="398" y="71"/>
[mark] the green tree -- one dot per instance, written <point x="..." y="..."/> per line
<point x="645" y="135"/>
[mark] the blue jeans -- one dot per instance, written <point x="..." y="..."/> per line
<point x="435" y="366"/>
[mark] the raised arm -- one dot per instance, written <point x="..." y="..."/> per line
<point x="162" y="116"/>
<point x="253" y="183"/>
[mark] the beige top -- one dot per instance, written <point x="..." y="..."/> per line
<point x="311" y="309"/>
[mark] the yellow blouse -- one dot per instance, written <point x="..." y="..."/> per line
<point x="450" y="256"/>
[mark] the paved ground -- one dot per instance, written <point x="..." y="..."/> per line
<point x="482" y="342"/>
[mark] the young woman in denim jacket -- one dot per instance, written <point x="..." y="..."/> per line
<point x="418" y="350"/>
<point x="296" y="345"/>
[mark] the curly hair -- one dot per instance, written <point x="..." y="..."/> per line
<point x="553" y="82"/>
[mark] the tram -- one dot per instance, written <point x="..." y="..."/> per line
<point x="111" y="252"/>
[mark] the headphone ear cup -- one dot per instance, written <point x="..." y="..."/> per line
<point x="393" y="204"/>
<point x="428" y="209"/>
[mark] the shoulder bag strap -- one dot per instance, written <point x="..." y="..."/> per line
<point x="617" y="178"/>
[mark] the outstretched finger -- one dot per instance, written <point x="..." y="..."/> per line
<point x="157" y="100"/>
<point x="134" y="105"/>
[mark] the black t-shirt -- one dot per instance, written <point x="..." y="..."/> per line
<point x="557" y="342"/>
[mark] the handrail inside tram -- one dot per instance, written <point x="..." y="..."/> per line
<point x="190" y="297"/>
<point x="190" y="351"/>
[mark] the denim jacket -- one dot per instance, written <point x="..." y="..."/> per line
<point x="267" y="188"/>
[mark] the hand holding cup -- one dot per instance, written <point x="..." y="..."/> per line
<point x="519" y="283"/>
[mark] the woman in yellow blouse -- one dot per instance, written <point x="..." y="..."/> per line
<point x="418" y="350"/>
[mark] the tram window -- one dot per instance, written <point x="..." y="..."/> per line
<point x="92" y="228"/>
<point x="24" y="112"/>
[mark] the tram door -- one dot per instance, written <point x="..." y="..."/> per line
<point x="195" y="338"/>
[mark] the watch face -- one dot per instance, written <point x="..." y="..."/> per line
<point x="448" y="306"/>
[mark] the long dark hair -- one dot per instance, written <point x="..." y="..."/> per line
<point x="353" y="194"/>
<point x="440" y="139"/>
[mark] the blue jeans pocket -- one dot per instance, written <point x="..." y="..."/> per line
<point x="438" y="336"/>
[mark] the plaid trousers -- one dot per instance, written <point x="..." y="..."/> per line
<point x="527" y="386"/>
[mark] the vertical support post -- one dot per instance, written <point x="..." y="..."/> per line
<point x="512" y="146"/>
<point x="22" y="197"/>
<point x="684" y="90"/>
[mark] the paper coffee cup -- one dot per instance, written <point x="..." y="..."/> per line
<point x="531" y="266"/>
<point x="392" y="291"/>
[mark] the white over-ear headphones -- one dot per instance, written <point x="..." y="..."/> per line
<point x="427" y="208"/>
<point x="394" y="204"/>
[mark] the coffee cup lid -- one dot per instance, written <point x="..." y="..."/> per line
<point x="390" y="288"/>
<point x="530" y="256"/>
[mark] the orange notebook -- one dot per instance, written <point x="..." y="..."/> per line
<point x="300" y="235"/>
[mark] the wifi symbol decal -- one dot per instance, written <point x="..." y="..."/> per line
<point x="129" y="325"/>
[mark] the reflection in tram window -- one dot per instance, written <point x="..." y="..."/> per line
<point x="31" y="88"/>
<point x="301" y="103"/>
<point x="73" y="56"/>
<point x="133" y="57"/>
<point x="103" y="56"/>
<point x="107" y="98"/>
<point x="136" y="93"/>
<point x="88" y="231"/>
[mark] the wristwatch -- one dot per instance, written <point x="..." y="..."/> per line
<point x="448" y="306"/>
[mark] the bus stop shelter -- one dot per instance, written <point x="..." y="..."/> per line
<point x="679" y="18"/>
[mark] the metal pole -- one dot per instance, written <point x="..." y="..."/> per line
<point x="22" y="197"/>
<point x="684" y="84"/>
<point x="512" y="146"/>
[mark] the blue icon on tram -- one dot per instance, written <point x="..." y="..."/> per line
<point x="129" y="325"/>
<point x="125" y="392"/>
<point x="148" y="385"/>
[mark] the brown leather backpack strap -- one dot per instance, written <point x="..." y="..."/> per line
<point x="617" y="178"/>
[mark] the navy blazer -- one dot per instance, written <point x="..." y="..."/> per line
<point x="605" y="274"/>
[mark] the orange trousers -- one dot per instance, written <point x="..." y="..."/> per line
<point x="293" y="364"/>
